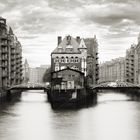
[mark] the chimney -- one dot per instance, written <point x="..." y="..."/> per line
<point x="59" y="39"/>
<point x="78" y="39"/>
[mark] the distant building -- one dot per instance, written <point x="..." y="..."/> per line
<point x="36" y="74"/>
<point x="78" y="54"/>
<point x="11" y="57"/>
<point x="112" y="71"/>
<point x="26" y="71"/>
<point x="33" y="75"/>
<point x="125" y="69"/>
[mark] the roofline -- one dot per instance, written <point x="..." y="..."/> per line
<point x="68" y="68"/>
<point x="65" y="53"/>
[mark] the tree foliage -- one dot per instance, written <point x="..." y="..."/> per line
<point x="47" y="75"/>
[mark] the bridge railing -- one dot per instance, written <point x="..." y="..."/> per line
<point x="116" y="84"/>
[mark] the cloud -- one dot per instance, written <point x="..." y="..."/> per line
<point x="110" y="14"/>
<point x="38" y="22"/>
<point x="27" y="37"/>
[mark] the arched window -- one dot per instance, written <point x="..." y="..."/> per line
<point x="72" y="59"/>
<point x="67" y="60"/>
<point x="56" y="60"/>
<point x="62" y="59"/>
<point x="76" y="59"/>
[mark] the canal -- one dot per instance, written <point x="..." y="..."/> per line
<point x="115" y="117"/>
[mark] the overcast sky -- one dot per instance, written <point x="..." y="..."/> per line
<point x="37" y="23"/>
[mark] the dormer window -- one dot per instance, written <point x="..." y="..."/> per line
<point x="69" y="48"/>
<point x="59" y="49"/>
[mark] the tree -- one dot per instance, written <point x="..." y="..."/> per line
<point x="47" y="75"/>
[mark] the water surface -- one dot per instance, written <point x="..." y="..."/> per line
<point x="114" y="117"/>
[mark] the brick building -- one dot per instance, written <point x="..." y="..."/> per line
<point x="78" y="54"/>
<point x="67" y="79"/>
<point x="36" y="74"/>
<point x="130" y="64"/>
<point x="137" y="62"/>
<point x="11" y="57"/>
<point x="112" y="71"/>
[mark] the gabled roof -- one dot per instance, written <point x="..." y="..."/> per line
<point x="82" y="45"/>
<point x="67" y="43"/>
<point x="10" y="31"/>
<point x="68" y="68"/>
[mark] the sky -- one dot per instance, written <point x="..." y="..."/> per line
<point x="37" y="23"/>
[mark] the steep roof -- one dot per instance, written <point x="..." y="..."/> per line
<point x="68" y="68"/>
<point x="67" y="42"/>
<point x="82" y="45"/>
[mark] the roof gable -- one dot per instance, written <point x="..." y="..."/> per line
<point x="68" y="68"/>
<point x="82" y="45"/>
<point x="67" y="43"/>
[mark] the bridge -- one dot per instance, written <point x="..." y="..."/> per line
<point x="115" y="85"/>
<point x="29" y="86"/>
<point x="17" y="89"/>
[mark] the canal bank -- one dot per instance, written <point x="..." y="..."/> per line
<point x="7" y="95"/>
<point x="3" y="95"/>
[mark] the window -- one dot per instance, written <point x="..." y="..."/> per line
<point x="69" y="49"/>
<point x="76" y="59"/>
<point x="75" y="68"/>
<point x="56" y="60"/>
<point x="72" y="59"/>
<point x="66" y="61"/>
<point x="56" y="67"/>
<point x="62" y="59"/>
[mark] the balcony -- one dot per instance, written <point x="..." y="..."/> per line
<point x="4" y="65"/>
<point x="4" y="74"/>
<point x="97" y="79"/>
<point x="13" y="70"/>
<point x="12" y="52"/>
<point x="4" y="43"/>
<point x="4" y="36"/>
<point x="12" y="46"/>
<point x="12" y="76"/>
<point x="4" y="58"/>
<point x="12" y="58"/>
<point x="127" y="71"/>
<point x="4" y="51"/>
<point x="13" y="64"/>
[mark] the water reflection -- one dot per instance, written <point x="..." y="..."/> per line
<point x="115" y="117"/>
